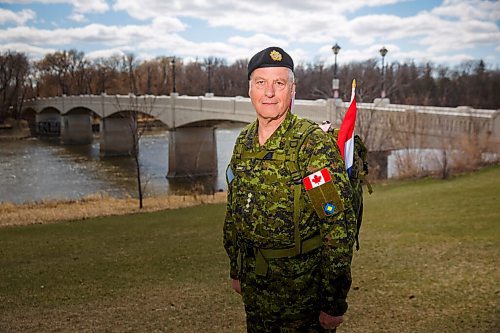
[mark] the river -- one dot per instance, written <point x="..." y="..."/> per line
<point x="34" y="169"/>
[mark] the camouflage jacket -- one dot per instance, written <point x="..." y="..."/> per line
<point x="260" y="206"/>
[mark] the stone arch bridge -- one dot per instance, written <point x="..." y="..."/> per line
<point x="191" y="121"/>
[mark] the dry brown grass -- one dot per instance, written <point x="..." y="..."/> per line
<point x="94" y="206"/>
<point x="186" y="308"/>
<point x="19" y="130"/>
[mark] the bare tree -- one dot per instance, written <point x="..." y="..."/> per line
<point x="79" y="72"/>
<point x="57" y="66"/>
<point x="14" y="69"/>
<point x="139" y="116"/>
<point x="130" y="64"/>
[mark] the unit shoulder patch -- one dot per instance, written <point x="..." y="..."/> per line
<point x="323" y="193"/>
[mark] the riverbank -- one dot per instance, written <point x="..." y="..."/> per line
<point x="102" y="205"/>
<point x="14" y="130"/>
<point x="96" y="205"/>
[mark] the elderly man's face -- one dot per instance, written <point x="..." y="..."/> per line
<point x="271" y="92"/>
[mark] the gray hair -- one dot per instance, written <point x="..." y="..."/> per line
<point x="291" y="77"/>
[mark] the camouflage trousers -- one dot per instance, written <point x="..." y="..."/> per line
<point x="287" y="298"/>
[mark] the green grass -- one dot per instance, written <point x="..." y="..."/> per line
<point x="428" y="263"/>
<point x="429" y="257"/>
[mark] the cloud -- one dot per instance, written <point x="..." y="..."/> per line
<point x="469" y="10"/>
<point x="306" y="28"/>
<point x="107" y="53"/>
<point x="256" y="41"/>
<point x="298" y="20"/>
<point x="89" y="6"/>
<point x="431" y="31"/>
<point x="92" y="33"/>
<point x="168" y="24"/>
<point x="455" y="24"/>
<point x="80" y="6"/>
<point x="33" y="51"/>
<point x="216" y="11"/>
<point x="19" y="18"/>
<point x="175" y="45"/>
<point x="78" y="17"/>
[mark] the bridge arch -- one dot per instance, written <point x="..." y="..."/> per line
<point x="82" y="110"/>
<point x="29" y="115"/>
<point x="76" y="125"/>
<point x="209" y="118"/>
<point x="50" y="110"/>
<point x="145" y="119"/>
<point x="48" y="121"/>
<point x="212" y="123"/>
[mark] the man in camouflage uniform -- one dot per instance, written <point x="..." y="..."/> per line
<point x="289" y="226"/>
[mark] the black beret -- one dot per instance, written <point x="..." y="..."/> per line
<point x="270" y="57"/>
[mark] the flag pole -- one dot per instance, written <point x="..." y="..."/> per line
<point x="345" y="138"/>
<point x="353" y="89"/>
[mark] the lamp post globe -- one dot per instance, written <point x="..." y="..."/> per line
<point x="335" y="82"/>
<point x="383" y="51"/>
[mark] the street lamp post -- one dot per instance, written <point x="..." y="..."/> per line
<point x="383" y="51"/>
<point x="209" y="69"/>
<point x="335" y="82"/>
<point x="173" y="76"/>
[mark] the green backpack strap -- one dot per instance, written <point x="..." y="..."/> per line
<point x="362" y="152"/>
<point x="292" y="151"/>
<point x="361" y="161"/>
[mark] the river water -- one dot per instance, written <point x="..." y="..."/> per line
<point x="33" y="170"/>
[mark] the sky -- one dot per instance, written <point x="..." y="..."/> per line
<point x="444" y="32"/>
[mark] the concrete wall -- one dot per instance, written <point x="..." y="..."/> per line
<point x="192" y="152"/>
<point x="76" y="128"/>
<point x="116" y="136"/>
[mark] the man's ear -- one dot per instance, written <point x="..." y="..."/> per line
<point x="292" y="100"/>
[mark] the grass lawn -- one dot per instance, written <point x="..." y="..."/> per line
<point x="428" y="263"/>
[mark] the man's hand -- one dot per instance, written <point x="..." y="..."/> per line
<point x="235" y="284"/>
<point x="329" y="322"/>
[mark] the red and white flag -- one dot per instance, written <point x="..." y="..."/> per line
<point x="317" y="179"/>
<point x="345" y="139"/>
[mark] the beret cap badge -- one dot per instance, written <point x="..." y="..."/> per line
<point x="272" y="56"/>
<point x="275" y="55"/>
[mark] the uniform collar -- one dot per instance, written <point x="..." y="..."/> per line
<point x="278" y="138"/>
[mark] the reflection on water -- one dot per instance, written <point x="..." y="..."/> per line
<point x="35" y="170"/>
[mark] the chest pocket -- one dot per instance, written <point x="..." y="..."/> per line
<point x="264" y="200"/>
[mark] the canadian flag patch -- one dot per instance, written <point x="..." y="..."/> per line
<point x="317" y="179"/>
